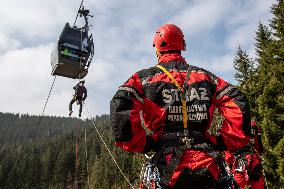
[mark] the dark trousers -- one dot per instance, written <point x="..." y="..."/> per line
<point x="79" y="102"/>
<point x="201" y="179"/>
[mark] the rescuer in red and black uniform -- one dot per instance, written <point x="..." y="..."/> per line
<point x="79" y="96"/>
<point x="176" y="101"/>
<point x="245" y="163"/>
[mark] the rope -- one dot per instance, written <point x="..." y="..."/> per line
<point x="80" y="53"/>
<point x="78" y="13"/>
<point x="114" y="160"/>
<point x="48" y="96"/>
<point x="40" y="119"/>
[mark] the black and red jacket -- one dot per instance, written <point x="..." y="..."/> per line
<point x="150" y="99"/>
<point x="80" y="92"/>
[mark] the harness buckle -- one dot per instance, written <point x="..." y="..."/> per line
<point x="185" y="139"/>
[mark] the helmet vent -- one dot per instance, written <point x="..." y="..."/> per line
<point x="163" y="44"/>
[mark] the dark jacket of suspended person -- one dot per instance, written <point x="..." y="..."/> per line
<point x="175" y="101"/>
<point x="245" y="163"/>
<point x="80" y="95"/>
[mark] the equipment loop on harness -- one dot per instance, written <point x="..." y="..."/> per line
<point x="150" y="177"/>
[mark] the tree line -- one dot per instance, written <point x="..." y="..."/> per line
<point x="50" y="152"/>
<point x="53" y="154"/>
<point x="262" y="80"/>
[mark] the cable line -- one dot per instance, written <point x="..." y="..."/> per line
<point x="78" y="13"/>
<point x="48" y="96"/>
<point x="40" y="119"/>
<point x="114" y="160"/>
<point x="101" y="138"/>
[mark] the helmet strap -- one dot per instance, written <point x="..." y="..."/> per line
<point x="158" y="53"/>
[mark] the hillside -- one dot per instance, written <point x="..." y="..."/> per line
<point x="43" y="155"/>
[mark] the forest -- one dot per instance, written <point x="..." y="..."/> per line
<point x="58" y="152"/>
<point x="40" y="152"/>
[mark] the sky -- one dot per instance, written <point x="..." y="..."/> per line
<point x="123" y="32"/>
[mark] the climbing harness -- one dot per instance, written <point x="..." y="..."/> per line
<point x="176" y="150"/>
<point x="175" y="143"/>
<point x="183" y="91"/>
<point x="150" y="175"/>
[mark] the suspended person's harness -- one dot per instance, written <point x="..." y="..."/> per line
<point x="176" y="143"/>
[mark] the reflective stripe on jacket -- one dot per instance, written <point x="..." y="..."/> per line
<point x="149" y="99"/>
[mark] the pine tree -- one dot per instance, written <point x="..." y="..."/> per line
<point x="277" y="69"/>
<point x="264" y="87"/>
<point x="243" y="65"/>
<point x="245" y="74"/>
<point x="257" y="81"/>
<point x="268" y="88"/>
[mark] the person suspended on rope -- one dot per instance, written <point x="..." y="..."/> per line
<point x="245" y="163"/>
<point x="175" y="101"/>
<point x="80" y="96"/>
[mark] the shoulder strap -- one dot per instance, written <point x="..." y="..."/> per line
<point x="181" y="90"/>
<point x="170" y="76"/>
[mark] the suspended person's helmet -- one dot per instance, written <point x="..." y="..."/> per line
<point x="82" y="81"/>
<point x="169" y="37"/>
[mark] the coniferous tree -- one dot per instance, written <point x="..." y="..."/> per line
<point x="262" y="83"/>
<point x="278" y="26"/>
<point x="268" y="91"/>
<point x="264" y="87"/>
<point x="245" y="74"/>
<point x="272" y="104"/>
<point x="244" y="66"/>
<point x="257" y="82"/>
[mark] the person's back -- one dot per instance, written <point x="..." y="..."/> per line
<point x="80" y="92"/>
<point x="185" y="156"/>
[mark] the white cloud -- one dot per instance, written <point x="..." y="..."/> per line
<point x="247" y="12"/>
<point x="24" y="76"/>
<point x="7" y="43"/>
<point x="243" y="35"/>
<point x="123" y="33"/>
<point x="102" y="74"/>
<point x="223" y="64"/>
<point x="243" y="22"/>
<point x="33" y="21"/>
<point x="201" y="16"/>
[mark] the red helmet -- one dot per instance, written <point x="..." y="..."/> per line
<point x="169" y="37"/>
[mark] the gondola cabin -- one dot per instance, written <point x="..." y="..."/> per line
<point x="73" y="52"/>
